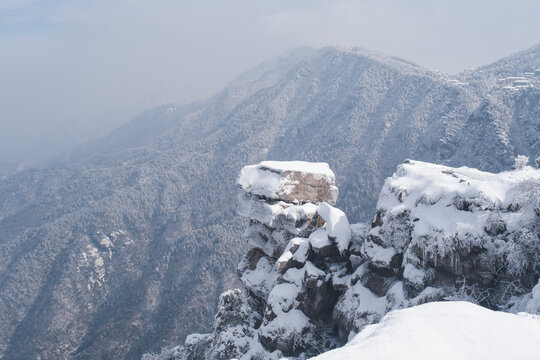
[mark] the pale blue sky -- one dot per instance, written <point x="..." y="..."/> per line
<point x="74" y="62"/>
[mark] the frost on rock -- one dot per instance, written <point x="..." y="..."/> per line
<point x="312" y="281"/>
<point x="533" y="306"/>
<point x="474" y="234"/>
<point x="529" y="303"/>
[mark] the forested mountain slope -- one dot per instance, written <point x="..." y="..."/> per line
<point x="125" y="245"/>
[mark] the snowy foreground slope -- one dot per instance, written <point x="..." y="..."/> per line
<point x="445" y="331"/>
<point x="312" y="281"/>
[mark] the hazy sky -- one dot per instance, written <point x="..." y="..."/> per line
<point x="87" y="63"/>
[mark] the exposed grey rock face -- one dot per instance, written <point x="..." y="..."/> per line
<point x="440" y="233"/>
<point x="126" y="245"/>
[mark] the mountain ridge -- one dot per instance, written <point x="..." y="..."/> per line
<point x="92" y="231"/>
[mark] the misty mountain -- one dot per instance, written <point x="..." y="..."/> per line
<point x="515" y="64"/>
<point x="125" y="244"/>
<point x="7" y="168"/>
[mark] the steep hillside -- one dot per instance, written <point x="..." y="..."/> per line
<point x="126" y="245"/>
<point x="523" y="61"/>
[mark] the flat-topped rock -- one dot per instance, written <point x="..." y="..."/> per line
<point x="290" y="181"/>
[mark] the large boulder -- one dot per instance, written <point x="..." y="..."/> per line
<point x="290" y="181"/>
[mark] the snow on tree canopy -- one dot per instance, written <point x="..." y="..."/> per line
<point x="290" y="181"/>
<point x="445" y="330"/>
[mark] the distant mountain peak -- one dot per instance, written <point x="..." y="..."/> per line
<point x="518" y="63"/>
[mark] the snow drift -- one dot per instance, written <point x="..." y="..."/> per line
<point x="445" y="330"/>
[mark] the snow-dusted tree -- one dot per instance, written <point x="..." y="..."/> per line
<point x="520" y="162"/>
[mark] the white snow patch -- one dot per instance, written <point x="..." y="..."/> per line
<point x="283" y="296"/>
<point x="259" y="182"/>
<point x="312" y="270"/>
<point x="360" y="304"/>
<point x="297" y="276"/>
<point x="413" y="274"/>
<point x="292" y="321"/>
<point x="262" y="277"/>
<point x="377" y="253"/>
<point x="337" y="225"/>
<point x="277" y="215"/>
<point x="296" y="249"/>
<point x="319" y="239"/>
<point x="445" y="331"/>
<point x="316" y="168"/>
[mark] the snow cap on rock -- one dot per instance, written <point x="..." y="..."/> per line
<point x="337" y="225"/>
<point x="290" y="181"/>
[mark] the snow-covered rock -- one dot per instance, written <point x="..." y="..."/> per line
<point x="459" y="202"/>
<point x="460" y="222"/>
<point x="289" y="181"/>
<point x="232" y="335"/>
<point x="294" y="233"/>
<point x="442" y="233"/>
<point x="312" y="281"/>
<point x="445" y="330"/>
<point x="337" y="225"/>
<point x="275" y="213"/>
<point x="298" y="247"/>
